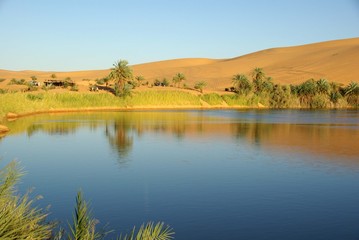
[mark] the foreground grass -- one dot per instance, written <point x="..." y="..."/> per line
<point x="20" y="219"/>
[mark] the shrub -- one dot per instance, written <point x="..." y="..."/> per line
<point x="320" y="101"/>
<point x="334" y="96"/>
<point x="165" y="82"/>
<point x="74" y="88"/>
<point x="100" y="81"/>
<point x="279" y="97"/>
<point x="2" y="79"/>
<point x="15" y="81"/>
<point x="157" y="82"/>
<point x="3" y="91"/>
<point x="47" y="87"/>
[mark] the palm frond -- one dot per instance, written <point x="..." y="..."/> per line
<point x="84" y="226"/>
<point x="150" y="231"/>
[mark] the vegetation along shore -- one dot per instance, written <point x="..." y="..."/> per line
<point x="122" y="90"/>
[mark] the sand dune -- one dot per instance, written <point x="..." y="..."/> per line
<point x="334" y="60"/>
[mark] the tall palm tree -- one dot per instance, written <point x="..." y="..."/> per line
<point x="178" y="78"/>
<point x="120" y="73"/>
<point x="258" y="77"/>
<point x="241" y="84"/>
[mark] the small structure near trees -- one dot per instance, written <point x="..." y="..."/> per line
<point x="59" y="83"/>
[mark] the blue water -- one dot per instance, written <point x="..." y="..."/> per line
<point x="284" y="174"/>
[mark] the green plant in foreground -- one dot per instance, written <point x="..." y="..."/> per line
<point x="19" y="219"/>
<point x="150" y="232"/>
<point x="83" y="227"/>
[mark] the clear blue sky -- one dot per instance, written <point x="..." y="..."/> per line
<point x="65" y="35"/>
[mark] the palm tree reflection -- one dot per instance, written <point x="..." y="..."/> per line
<point x="120" y="137"/>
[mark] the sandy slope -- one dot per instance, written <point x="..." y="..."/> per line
<point x="335" y="60"/>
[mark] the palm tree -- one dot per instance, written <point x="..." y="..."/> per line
<point x="258" y="77"/>
<point x="241" y="84"/>
<point x="307" y="90"/>
<point x="120" y="73"/>
<point x="352" y="94"/>
<point x="200" y="85"/>
<point x="323" y="86"/>
<point x="178" y="78"/>
<point x="352" y="89"/>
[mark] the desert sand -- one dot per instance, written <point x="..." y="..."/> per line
<point x="334" y="60"/>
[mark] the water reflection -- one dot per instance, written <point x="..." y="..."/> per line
<point x="119" y="135"/>
<point x="332" y="135"/>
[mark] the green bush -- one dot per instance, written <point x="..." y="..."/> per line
<point x="279" y="97"/>
<point x="48" y="87"/>
<point x="15" y="81"/>
<point x="165" y="82"/>
<point x="74" y="88"/>
<point x="3" y="91"/>
<point x="320" y="101"/>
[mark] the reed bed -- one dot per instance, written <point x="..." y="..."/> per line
<point x="32" y="102"/>
<point x="163" y="98"/>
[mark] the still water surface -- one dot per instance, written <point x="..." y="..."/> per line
<point x="247" y="174"/>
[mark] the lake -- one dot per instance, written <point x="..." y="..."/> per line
<point x="224" y="174"/>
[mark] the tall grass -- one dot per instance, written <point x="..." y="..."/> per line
<point x="31" y="102"/>
<point x="163" y="98"/>
<point x="240" y="100"/>
<point x="19" y="219"/>
<point x="212" y="98"/>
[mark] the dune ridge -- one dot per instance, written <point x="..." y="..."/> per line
<point x="335" y="60"/>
